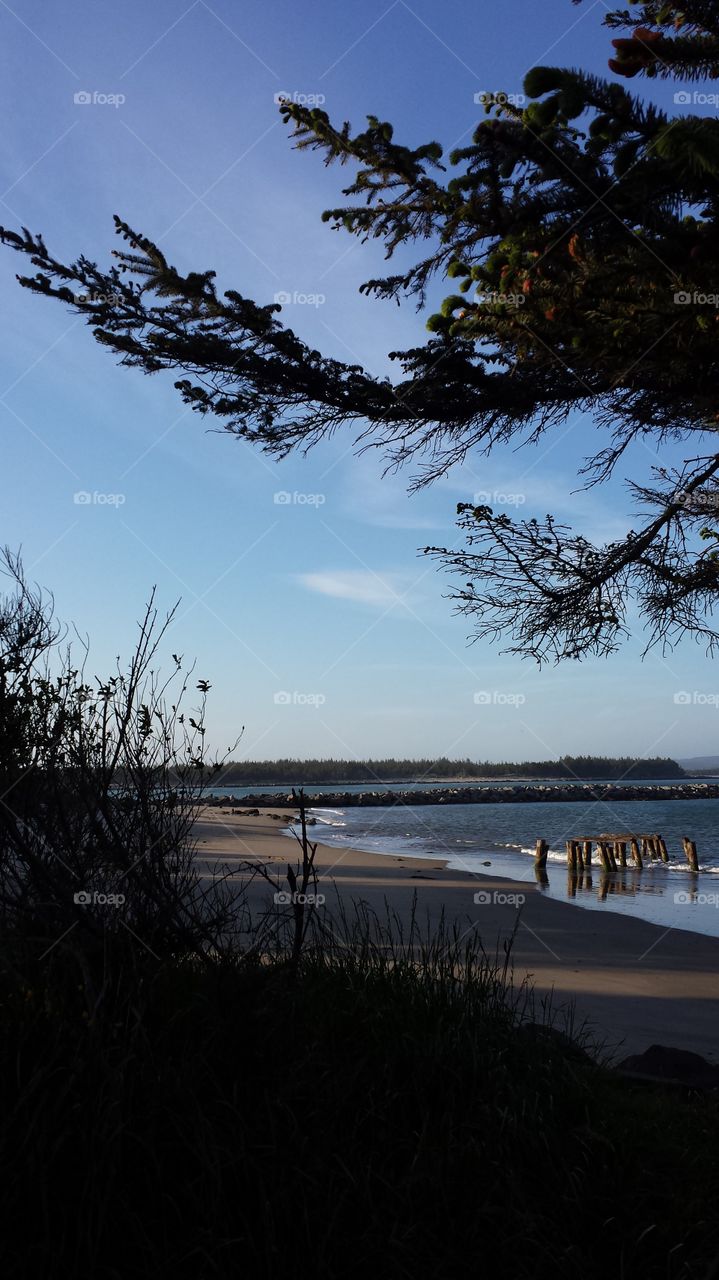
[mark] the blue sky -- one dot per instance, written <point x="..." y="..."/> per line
<point x="321" y="595"/>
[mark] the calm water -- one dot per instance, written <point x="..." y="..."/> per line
<point x="499" y="839"/>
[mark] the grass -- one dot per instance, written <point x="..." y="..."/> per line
<point x="379" y="1109"/>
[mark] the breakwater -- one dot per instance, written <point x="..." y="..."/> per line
<point x="572" y="792"/>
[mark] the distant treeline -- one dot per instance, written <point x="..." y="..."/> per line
<point x="294" y="772"/>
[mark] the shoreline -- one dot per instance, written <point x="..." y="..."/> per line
<point x="636" y="982"/>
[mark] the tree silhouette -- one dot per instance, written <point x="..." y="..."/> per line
<point x="581" y="235"/>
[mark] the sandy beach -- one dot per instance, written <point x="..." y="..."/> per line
<point x="636" y="983"/>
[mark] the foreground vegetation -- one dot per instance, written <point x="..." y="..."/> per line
<point x="193" y="1092"/>
<point x="361" y="1112"/>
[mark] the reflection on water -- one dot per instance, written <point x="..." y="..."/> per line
<point x="609" y="883"/>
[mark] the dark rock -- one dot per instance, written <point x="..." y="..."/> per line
<point x="662" y="1064"/>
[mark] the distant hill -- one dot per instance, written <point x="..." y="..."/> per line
<point x="328" y="772"/>
<point x="701" y="764"/>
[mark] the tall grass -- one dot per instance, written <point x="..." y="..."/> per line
<point x="377" y="1108"/>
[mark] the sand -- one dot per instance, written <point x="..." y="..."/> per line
<point x="635" y="983"/>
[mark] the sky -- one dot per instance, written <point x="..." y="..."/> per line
<point x="304" y="596"/>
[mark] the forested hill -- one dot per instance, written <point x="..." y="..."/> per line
<point x="298" y="772"/>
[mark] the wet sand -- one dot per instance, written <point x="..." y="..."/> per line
<point x="635" y="982"/>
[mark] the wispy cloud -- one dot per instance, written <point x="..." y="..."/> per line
<point x="381" y="590"/>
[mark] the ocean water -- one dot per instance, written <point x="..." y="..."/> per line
<point x="499" y="840"/>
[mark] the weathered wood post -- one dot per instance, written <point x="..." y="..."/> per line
<point x="646" y="853"/>
<point x="620" y="852"/>
<point x="540" y="854"/>
<point x="588" y="854"/>
<point x="690" y="850"/>
<point x="636" y="855"/>
<point x="663" y="849"/>
<point x="604" y="855"/>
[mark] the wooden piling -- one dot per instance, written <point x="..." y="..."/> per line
<point x="587" y="854"/>
<point x="620" y="852"/>
<point x="604" y="855"/>
<point x="636" y="855"/>
<point x="690" y="850"/>
<point x="664" y="852"/>
<point x="540" y="854"/>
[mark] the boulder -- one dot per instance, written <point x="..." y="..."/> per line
<point x="661" y="1064"/>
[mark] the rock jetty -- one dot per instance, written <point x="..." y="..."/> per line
<point x="477" y="795"/>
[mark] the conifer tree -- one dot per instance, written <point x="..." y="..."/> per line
<point x="580" y="239"/>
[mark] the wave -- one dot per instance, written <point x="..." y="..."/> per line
<point x="328" y="817"/>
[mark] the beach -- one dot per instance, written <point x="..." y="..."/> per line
<point x="635" y="983"/>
